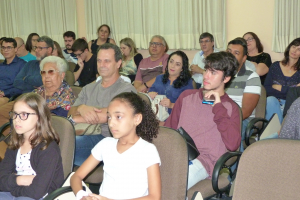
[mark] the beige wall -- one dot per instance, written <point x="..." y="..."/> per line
<point x="242" y="16"/>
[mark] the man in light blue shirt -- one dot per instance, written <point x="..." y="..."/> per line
<point x="22" y="52"/>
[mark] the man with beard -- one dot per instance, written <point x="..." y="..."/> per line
<point x="69" y="38"/>
<point x="29" y="77"/>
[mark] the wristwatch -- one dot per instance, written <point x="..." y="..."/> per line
<point x="71" y="120"/>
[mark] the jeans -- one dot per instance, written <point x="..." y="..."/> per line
<point x="275" y="106"/>
<point x="8" y="196"/>
<point x="197" y="172"/>
<point x="84" y="146"/>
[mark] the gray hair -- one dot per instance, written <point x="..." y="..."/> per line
<point x="164" y="42"/>
<point x="47" y="40"/>
<point x="118" y="53"/>
<point x="60" y="64"/>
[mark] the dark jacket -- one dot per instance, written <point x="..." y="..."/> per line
<point x="46" y="163"/>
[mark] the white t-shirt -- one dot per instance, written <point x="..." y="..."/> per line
<point x="125" y="175"/>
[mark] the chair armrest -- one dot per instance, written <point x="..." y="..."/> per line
<point x="251" y="126"/>
<point x="58" y="192"/>
<point x="2" y="128"/>
<point x="220" y="164"/>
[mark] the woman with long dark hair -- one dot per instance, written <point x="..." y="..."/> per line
<point x="31" y="42"/>
<point x="174" y="81"/>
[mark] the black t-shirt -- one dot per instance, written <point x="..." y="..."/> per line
<point x="89" y="71"/>
<point x="261" y="58"/>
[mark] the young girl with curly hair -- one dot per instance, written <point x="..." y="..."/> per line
<point x="131" y="162"/>
<point x="32" y="166"/>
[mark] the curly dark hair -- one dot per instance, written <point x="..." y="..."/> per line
<point x="185" y="74"/>
<point x="286" y="59"/>
<point x="148" y="128"/>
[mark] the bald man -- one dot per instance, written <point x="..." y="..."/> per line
<point x="22" y="52"/>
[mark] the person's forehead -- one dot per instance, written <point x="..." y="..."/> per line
<point x="235" y="47"/>
<point x="204" y="39"/>
<point x="68" y="38"/>
<point x="42" y="44"/>
<point x="49" y="65"/>
<point x="106" y="53"/>
<point x="6" y="44"/>
<point x="156" y="39"/>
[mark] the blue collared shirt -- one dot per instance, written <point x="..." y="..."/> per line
<point x="8" y="73"/>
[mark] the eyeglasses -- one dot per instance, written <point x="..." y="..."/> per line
<point x="40" y="48"/>
<point x="78" y="55"/>
<point x="249" y="39"/>
<point x="20" y="46"/>
<point x="155" y="44"/>
<point x="23" y="115"/>
<point x="50" y="72"/>
<point x="204" y="41"/>
<point x="9" y="48"/>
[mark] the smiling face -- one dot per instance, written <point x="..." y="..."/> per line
<point x="175" y="65"/>
<point x="28" y="126"/>
<point x="122" y="121"/>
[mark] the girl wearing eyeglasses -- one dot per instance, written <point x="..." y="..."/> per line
<point x="32" y="166"/>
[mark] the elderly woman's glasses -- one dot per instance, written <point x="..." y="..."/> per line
<point x="249" y="39"/>
<point x="23" y="115"/>
<point x="51" y="72"/>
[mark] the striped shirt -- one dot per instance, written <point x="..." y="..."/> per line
<point x="245" y="81"/>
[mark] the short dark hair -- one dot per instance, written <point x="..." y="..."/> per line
<point x="259" y="45"/>
<point x="185" y="74"/>
<point x="118" y="53"/>
<point x="28" y="45"/>
<point x="222" y="61"/>
<point x="70" y="34"/>
<point x="48" y="41"/>
<point x="79" y="45"/>
<point x="1" y="39"/>
<point x="205" y="35"/>
<point x="10" y="40"/>
<point x="240" y="41"/>
<point x="286" y="59"/>
<point x="102" y="26"/>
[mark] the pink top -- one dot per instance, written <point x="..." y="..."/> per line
<point x="215" y="130"/>
<point x="149" y="69"/>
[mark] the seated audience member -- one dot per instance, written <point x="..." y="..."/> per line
<point x="215" y="128"/>
<point x="245" y="86"/>
<point x="57" y="51"/>
<point x="85" y="71"/>
<point x="152" y="66"/>
<point x="130" y="59"/>
<point x="206" y="41"/>
<point x="90" y="106"/>
<point x="31" y="43"/>
<point x="172" y="83"/>
<point x="282" y="75"/>
<point x="291" y="127"/>
<point x="22" y="52"/>
<point x="29" y="78"/>
<point x="1" y="56"/>
<point x="260" y="59"/>
<point x="32" y="166"/>
<point x="103" y="37"/>
<point x="9" y="70"/>
<point x="69" y="38"/>
<point x="131" y="161"/>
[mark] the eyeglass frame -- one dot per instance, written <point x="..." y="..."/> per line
<point x="9" y="48"/>
<point x="249" y="39"/>
<point x="40" y="48"/>
<point x="44" y="72"/>
<point x="204" y="41"/>
<point x="156" y="44"/>
<point x="19" y="114"/>
<point x="78" y="55"/>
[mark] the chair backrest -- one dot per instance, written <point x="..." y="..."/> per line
<point x="260" y="109"/>
<point x="269" y="169"/>
<point x="69" y="78"/>
<point x="172" y="149"/>
<point x="66" y="133"/>
<point x="145" y="98"/>
<point x="76" y="90"/>
<point x="72" y="66"/>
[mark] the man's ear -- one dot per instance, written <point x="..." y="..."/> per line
<point x="227" y="79"/>
<point x="119" y="63"/>
<point x="50" y="50"/>
<point x="244" y="58"/>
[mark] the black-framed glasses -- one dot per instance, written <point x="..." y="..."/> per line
<point x="40" y="48"/>
<point x="50" y="72"/>
<point x="9" y="48"/>
<point x="155" y="44"/>
<point x="78" y="55"/>
<point x="249" y="39"/>
<point x="23" y="115"/>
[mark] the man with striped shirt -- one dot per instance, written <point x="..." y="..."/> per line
<point x="245" y="88"/>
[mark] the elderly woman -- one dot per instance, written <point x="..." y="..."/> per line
<point x="57" y="93"/>
<point x="130" y="58"/>
<point x="176" y="79"/>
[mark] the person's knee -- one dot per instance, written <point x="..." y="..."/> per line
<point x="272" y="101"/>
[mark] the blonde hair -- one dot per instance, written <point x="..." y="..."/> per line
<point x="130" y="43"/>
